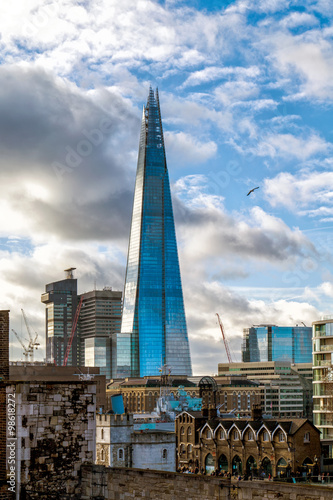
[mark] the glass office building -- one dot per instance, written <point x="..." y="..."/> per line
<point x="61" y="301"/>
<point x="277" y="343"/>
<point x="153" y="329"/>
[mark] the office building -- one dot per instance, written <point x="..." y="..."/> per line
<point x="285" y="392"/>
<point x="153" y="329"/>
<point x="323" y="386"/>
<point x="99" y="323"/>
<point x="61" y="302"/>
<point x="277" y="343"/>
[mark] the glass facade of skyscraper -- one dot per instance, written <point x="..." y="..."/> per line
<point x="277" y="343"/>
<point x="153" y="330"/>
<point x="61" y="301"/>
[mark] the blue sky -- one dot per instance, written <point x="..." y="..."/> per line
<point x="246" y="92"/>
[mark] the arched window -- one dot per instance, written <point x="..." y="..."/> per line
<point x="209" y="464"/>
<point x="236" y="465"/>
<point x="189" y="448"/>
<point x="236" y="435"/>
<point x="265" y="436"/>
<point x="121" y="454"/>
<point x="251" y="465"/>
<point x="281" y="467"/>
<point x="182" y="430"/>
<point x="222" y="435"/>
<point x="208" y="434"/>
<point x="250" y="436"/>
<point x="307" y="437"/>
<point x="189" y="432"/>
<point x="281" y="437"/>
<point x="223" y="463"/>
<point x="102" y="455"/>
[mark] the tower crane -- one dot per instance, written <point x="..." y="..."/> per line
<point x="33" y="344"/>
<point x="226" y="345"/>
<point x="26" y="350"/>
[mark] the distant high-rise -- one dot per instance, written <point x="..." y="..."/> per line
<point x="61" y="301"/>
<point x="99" y="322"/>
<point x="277" y="343"/>
<point x="153" y="330"/>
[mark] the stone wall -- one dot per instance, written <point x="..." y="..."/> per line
<point x="55" y="435"/>
<point x="98" y="482"/>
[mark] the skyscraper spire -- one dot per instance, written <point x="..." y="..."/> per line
<point x="153" y="330"/>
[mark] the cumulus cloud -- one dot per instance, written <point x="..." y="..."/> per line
<point x="301" y="190"/>
<point x="58" y="145"/>
<point x="207" y="232"/>
<point x="183" y="148"/>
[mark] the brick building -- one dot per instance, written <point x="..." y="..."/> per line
<point x="232" y="393"/>
<point x="240" y="445"/>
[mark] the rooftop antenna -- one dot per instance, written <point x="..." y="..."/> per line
<point x="69" y="273"/>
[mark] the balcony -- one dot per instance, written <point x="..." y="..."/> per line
<point x="326" y="347"/>
<point x="325" y="362"/>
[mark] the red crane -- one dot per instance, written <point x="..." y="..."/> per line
<point x="226" y="345"/>
<point x="74" y="325"/>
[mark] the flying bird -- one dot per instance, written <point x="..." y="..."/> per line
<point x="251" y="191"/>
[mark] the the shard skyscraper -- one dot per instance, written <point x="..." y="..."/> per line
<point x="153" y="329"/>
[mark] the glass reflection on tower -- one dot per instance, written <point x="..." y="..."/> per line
<point x="153" y="330"/>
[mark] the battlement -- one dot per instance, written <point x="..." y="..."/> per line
<point x="114" y="419"/>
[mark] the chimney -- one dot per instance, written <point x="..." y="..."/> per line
<point x="212" y="412"/>
<point x="256" y="412"/>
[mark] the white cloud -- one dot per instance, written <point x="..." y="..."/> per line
<point x="301" y="190"/>
<point x="287" y="145"/>
<point x="183" y="148"/>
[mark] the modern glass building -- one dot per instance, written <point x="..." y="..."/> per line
<point x="153" y="329"/>
<point x="61" y="301"/>
<point x="277" y="343"/>
<point x="99" y="323"/>
<point x="323" y="386"/>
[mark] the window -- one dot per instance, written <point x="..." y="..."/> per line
<point x="165" y="454"/>
<point x="102" y="433"/>
<point x="265" y="436"/>
<point x="281" y="437"/>
<point x="182" y="431"/>
<point x="189" y="448"/>
<point x="307" y="437"/>
<point x="189" y="431"/>
<point x="102" y="455"/>
<point x="120" y="454"/>
<point x="208" y="434"/>
<point x="250" y="436"/>
<point x="222" y="435"/>
<point x="236" y="436"/>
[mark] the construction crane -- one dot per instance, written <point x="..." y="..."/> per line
<point x="33" y="344"/>
<point x="26" y="350"/>
<point x="226" y="345"/>
<point x="74" y="325"/>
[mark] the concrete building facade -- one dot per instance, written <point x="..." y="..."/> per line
<point x="99" y="324"/>
<point x="323" y="386"/>
<point x="285" y="391"/>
